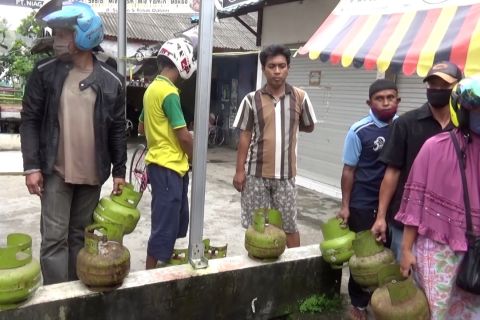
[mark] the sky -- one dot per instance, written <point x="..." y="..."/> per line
<point x="13" y="15"/>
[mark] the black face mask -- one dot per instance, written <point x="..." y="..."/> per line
<point x="438" y="98"/>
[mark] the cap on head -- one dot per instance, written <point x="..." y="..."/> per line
<point x="381" y="84"/>
<point x="445" y="70"/>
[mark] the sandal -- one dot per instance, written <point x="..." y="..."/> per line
<point x="355" y="313"/>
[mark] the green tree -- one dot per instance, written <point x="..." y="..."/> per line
<point x="3" y="32"/>
<point x="29" y="27"/>
<point x="19" y="59"/>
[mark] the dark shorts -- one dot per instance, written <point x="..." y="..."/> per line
<point x="361" y="219"/>
<point x="170" y="212"/>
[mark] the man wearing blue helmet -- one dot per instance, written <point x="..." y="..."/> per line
<point x="72" y="135"/>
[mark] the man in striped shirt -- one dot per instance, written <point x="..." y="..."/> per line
<point x="270" y="119"/>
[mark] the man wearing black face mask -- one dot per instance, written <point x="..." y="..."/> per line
<point x="408" y="134"/>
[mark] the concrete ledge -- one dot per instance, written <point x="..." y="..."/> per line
<point x="12" y="163"/>
<point x="230" y="288"/>
<point x="9" y="141"/>
<point x="318" y="186"/>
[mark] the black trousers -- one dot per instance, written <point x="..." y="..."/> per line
<point x="360" y="220"/>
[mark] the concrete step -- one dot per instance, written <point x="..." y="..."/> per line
<point x="11" y="163"/>
<point x="9" y="141"/>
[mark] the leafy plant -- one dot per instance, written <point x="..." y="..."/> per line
<point x="18" y="62"/>
<point x="29" y="27"/>
<point x="320" y="303"/>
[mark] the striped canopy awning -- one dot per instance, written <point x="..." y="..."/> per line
<point x="409" y="38"/>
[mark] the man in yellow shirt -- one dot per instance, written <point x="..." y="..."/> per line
<point x="170" y="147"/>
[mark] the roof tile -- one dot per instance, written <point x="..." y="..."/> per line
<point x="228" y="33"/>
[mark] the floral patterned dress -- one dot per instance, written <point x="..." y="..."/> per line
<point x="435" y="273"/>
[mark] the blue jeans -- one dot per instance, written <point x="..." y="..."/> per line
<point x="396" y="236"/>
<point x="169" y="211"/>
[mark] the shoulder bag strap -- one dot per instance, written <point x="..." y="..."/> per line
<point x="466" y="199"/>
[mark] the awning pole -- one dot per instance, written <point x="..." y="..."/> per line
<point x="202" y="107"/>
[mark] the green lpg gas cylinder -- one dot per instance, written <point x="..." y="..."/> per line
<point x="129" y="197"/>
<point x="397" y="297"/>
<point x="369" y="257"/>
<point x="121" y="209"/>
<point x="103" y="262"/>
<point x="265" y="238"/>
<point x="19" y="274"/>
<point x="337" y="246"/>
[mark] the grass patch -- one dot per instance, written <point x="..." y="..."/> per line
<point x="320" y="303"/>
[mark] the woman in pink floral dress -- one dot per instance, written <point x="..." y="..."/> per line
<point x="433" y="210"/>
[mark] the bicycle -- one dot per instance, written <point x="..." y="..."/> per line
<point x="138" y="176"/>
<point x="138" y="170"/>
<point x="216" y="136"/>
<point x="128" y="127"/>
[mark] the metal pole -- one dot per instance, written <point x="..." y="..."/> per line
<point x="259" y="73"/>
<point x="122" y="37"/>
<point x="122" y="46"/>
<point x="202" y="107"/>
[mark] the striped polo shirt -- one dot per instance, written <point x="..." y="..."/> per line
<point x="274" y="125"/>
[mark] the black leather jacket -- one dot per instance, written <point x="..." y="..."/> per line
<point x="39" y="129"/>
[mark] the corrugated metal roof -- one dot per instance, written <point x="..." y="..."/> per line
<point x="228" y="33"/>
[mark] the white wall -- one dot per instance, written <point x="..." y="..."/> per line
<point x="295" y="22"/>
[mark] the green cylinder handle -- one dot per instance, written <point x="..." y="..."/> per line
<point x="18" y="251"/>
<point x="365" y="244"/>
<point x="259" y="220"/>
<point x="400" y="289"/>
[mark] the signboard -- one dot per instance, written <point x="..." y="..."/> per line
<point x="147" y="6"/>
<point x="34" y="4"/>
<point x="314" y="78"/>
<point x="153" y="6"/>
<point x="144" y="6"/>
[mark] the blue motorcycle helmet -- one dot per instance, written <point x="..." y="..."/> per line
<point x="465" y="97"/>
<point x="78" y="16"/>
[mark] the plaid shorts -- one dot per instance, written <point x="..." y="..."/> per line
<point x="280" y="194"/>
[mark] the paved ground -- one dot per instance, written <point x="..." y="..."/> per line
<point x="21" y="211"/>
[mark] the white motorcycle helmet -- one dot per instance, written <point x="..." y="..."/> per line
<point x="181" y="52"/>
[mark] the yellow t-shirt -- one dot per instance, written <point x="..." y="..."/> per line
<point x="163" y="114"/>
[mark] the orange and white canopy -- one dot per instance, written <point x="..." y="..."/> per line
<point x="406" y="36"/>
